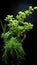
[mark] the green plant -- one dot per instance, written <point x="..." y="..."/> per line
<point x="12" y="32"/>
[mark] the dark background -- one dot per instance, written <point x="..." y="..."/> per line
<point x="30" y="43"/>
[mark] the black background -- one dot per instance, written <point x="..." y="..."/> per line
<point x="30" y="43"/>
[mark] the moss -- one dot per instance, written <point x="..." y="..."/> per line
<point x="13" y="46"/>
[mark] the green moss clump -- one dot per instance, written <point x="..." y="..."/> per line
<point x="17" y="27"/>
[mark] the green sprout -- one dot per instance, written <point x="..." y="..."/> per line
<point x="17" y="27"/>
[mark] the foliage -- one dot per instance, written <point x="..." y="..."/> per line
<point x="17" y="27"/>
<point x="13" y="47"/>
